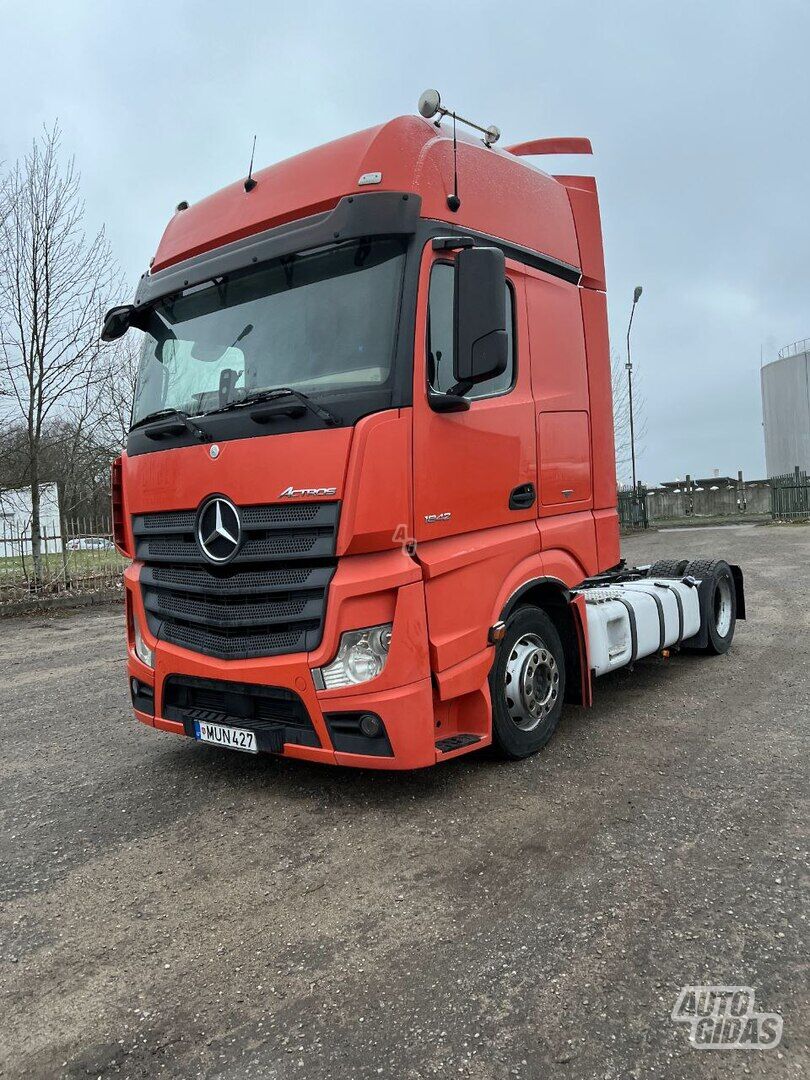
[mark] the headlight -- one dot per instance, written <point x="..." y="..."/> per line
<point x="361" y="656"/>
<point x="142" y="650"/>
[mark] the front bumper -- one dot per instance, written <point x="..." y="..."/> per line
<point x="366" y="590"/>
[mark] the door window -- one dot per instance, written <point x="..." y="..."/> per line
<point x="440" y="338"/>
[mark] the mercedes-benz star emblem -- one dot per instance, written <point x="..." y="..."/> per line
<point x="219" y="529"/>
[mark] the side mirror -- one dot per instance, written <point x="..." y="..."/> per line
<point x="117" y="321"/>
<point x="481" y="344"/>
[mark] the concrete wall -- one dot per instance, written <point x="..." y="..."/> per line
<point x="786" y="413"/>
<point x="724" y="502"/>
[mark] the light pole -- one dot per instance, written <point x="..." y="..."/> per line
<point x="636" y="295"/>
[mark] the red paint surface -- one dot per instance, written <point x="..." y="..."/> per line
<point x="412" y="155"/>
<point x="551" y="146"/>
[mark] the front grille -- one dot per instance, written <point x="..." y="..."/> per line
<point x="315" y="543"/>
<point x="276" y="714"/>
<point x="269" y="599"/>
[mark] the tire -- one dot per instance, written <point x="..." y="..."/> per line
<point x="668" y="568"/>
<point x="527" y="684"/>
<point x="718" y="603"/>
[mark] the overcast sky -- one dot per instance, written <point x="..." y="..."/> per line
<point x="699" y="114"/>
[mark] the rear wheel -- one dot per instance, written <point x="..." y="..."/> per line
<point x="668" y="568"/>
<point x="527" y="684"/>
<point x="718" y="597"/>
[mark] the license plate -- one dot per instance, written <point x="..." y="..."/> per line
<point x="233" y="738"/>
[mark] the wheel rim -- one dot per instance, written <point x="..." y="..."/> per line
<point x="531" y="682"/>
<point x="722" y="607"/>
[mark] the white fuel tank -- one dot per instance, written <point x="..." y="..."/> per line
<point x="631" y="619"/>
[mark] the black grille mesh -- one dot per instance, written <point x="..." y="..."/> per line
<point x="161" y="522"/>
<point x="219" y="613"/>
<point x="257" y="517"/>
<point x="243" y="581"/>
<point x="231" y="646"/>
<point x="269" y="599"/>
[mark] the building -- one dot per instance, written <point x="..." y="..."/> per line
<point x="786" y="410"/>
<point x="15" y="520"/>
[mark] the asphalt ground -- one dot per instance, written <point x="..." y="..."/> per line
<point x="172" y="909"/>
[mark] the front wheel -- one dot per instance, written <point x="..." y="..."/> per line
<point x="527" y="684"/>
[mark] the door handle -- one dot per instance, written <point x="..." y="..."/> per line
<point x="522" y="497"/>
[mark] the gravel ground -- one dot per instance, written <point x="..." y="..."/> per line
<point x="170" y="909"/>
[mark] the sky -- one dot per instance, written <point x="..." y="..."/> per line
<point x="699" y="113"/>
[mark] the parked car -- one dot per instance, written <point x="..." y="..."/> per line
<point x="90" y="543"/>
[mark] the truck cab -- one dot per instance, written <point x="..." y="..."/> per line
<point x="371" y="473"/>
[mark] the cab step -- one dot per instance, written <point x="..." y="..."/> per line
<point x="456" y="742"/>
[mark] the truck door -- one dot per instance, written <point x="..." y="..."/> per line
<point x="560" y="386"/>
<point x="476" y="469"/>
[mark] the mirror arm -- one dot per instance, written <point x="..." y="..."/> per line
<point x="461" y="388"/>
<point x="452" y="243"/>
<point x="449" y="402"/>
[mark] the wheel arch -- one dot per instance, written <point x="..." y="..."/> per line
<point x="567" y="613"/>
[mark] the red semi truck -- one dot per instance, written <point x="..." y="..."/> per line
<point x="369" y="492"/>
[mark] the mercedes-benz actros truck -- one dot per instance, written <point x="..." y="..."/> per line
<point x="369" y="492"/>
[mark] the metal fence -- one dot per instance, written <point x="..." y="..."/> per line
<point x="632" y="506"/>
<point x="795" y="348"/>
<point x="790" y="496"/>
<point x="78" y="558"/>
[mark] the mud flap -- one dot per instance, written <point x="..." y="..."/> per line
<point x="580" y="620"/>
<point x="739" y="589"/>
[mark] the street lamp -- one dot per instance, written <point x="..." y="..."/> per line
<point x="636" y="295"/>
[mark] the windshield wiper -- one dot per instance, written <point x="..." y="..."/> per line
<point x="258" y="396"/>
<point x="167" y="429"/>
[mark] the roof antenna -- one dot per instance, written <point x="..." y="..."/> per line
<point x="430" y="103"/>
<point x="453" y="201"/>
<point x="250" y="183"/>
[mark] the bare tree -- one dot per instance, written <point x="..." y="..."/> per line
<point x="54" y="285"/>
<point x="621" y="416"/>
<point x="113" y="407"/>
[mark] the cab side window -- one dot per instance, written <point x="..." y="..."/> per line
<point x="440" y="338"/>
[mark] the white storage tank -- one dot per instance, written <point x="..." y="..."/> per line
<point x="632" y="619"/>
<point x="786" y="410"/>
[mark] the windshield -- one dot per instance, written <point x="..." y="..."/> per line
<point x="322" y="322"/>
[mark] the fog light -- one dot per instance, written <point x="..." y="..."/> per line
<point x="143" y="696"/>
<point x="361" y="656"/>
<point x="370" y="725"/>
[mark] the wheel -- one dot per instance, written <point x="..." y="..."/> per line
<point x="527" y="684"/>
<point x="668" y="568"/>
<point x="718" y="602"/>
